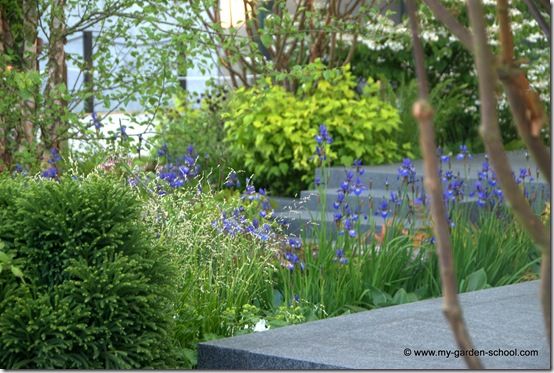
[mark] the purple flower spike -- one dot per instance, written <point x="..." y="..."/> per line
<point x="50" y="173"/>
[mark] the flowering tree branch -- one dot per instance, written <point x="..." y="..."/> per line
<point x="491" y="137"/>
<point x="423" y="113"/>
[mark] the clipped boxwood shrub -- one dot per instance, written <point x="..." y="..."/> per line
<point x="96" y="290"/>
<point x="271" y="131"/>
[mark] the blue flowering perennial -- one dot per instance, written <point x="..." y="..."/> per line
<point x="232" y="180"/>
<point x="340" y="257"/>
<point x="19" y="169"/>
<point x="486" y="191"/>
<point x="485" y="188"/>
<point x="323" y="136"/>
<point x="163" y="151"/>
<point x="295" y="242"/>
<point x="95" y="121"/>
<point x="52" y="172"/>
<point x="407" y="171"/>
<point x="323" y="139"/>
<point x="55" y="156"/>
<point x="344" y="217"/>
<point x="524" y="174"/>
<point x="349" y="226"/>
<point x="454" y="191"/>
<point x="464" y="153"/>
<point x="383" y="209"/>
<point x="182" y="170"/>
<point x="292" y="261"/>
<point x="253" y="218"/>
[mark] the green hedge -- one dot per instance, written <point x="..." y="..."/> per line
<point x="95" y="291"/>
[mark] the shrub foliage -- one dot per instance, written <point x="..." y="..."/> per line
<point x="271" y="131"/>
<point x="95" y="292"/>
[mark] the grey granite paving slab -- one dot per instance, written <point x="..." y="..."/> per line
<point x="499" y="319"/>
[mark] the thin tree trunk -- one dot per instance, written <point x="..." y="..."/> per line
<point x="6" y="39"/>
<point x="490" y="133"/>
<point x="423" y="113"/>
<point x="5" y="43"/>
<point x="56" y="80"/>
<point x="30" y="63"/>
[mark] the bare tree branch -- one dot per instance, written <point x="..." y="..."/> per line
<point x="524" y="102"/>
<point x="538" y="17"/>
<point x="491" y="137"/>
<point x="517" y="88"/>
<point x="443" y="14"/>
<point x="423" y="113"/>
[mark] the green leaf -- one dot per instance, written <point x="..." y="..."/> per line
<point x="191" y="356"/>
<point x="4" y="258"/>
<point x="346" y="160"/>
<point x="211" y="336"/>
<point x="402" y="297"/>
<point x="277" y="298"/>
<point x="283" y="167"/>
<point x="278" y="323"/>
<point x="266" y="39"/>
<point x="380" y="298"/>
<point x="476" y="280"/>
<point x="17" y="272"/>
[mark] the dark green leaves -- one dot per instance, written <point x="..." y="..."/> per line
<point x="98" y="293"/>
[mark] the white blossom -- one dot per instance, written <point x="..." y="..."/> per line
<point x="261" y="326"/>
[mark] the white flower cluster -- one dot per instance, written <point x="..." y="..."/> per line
<point x="383" y="34"/>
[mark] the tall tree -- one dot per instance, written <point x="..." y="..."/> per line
<point x="30" y="63"/>
<point x="56" y="84"/>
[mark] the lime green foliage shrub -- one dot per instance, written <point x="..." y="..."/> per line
<point x="97" y="290"/>
<point x="271" y="131"/>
